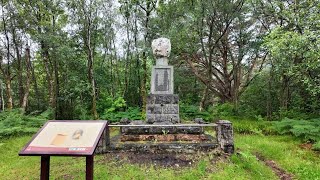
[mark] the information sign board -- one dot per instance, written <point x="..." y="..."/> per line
<point x="74" y="137"/>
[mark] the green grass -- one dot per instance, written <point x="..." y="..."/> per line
<point x="284" y="150"/>
<point x="304" y="164"/>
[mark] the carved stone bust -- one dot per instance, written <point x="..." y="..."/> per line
<point x="161" y="49"/>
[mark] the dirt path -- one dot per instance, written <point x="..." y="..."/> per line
<point x="281" y="173"/>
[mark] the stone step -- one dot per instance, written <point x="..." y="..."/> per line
<point x="161" y="147"/>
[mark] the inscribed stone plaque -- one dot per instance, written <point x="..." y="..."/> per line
<point x="66" y="138"/>
<point x="162" y="80"/>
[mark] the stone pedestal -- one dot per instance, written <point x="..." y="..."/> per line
<point x="225" y="136"/>
<point x="162" y="108"/>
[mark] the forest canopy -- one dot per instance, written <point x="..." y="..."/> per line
<point x="90" y="59"/>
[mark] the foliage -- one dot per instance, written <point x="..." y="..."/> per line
<point x="189" y="112"/>
<point x="245" y="126"/>
<point x="306" y="130"/>
<point x="132" y="113"/>
<point x="224" y="110"/>
<point x="14" y="122"/>
<point x="114" y="109"/>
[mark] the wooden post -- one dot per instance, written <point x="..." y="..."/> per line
<point x="45" y="167"/>
<point x="225" y="136"/>
<point x="89" y="167"/>
<point x="107" y="140"/>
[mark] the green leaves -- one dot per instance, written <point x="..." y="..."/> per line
<point x="306" y="130"/>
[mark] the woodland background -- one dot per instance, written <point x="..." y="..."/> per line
<point x="91" y="59"/>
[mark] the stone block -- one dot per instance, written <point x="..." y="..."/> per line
<point x="170" y="109"/>
<point x="166" y="98"/>
<point x="190" y="130"/>
<point x="174" y="118"/>
<point x="150" y="118"/>
<point x="150" y="99"/>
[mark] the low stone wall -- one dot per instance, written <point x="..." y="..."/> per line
<point x="224" y="137"/>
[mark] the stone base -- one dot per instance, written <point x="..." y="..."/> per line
<point x="162" y="108"/>
<point x="162" y="147"/>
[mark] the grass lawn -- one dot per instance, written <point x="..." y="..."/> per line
<point x="283" y="150"/>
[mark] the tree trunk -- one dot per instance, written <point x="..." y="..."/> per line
<point x="2" y="98"/>
<point x="203" y="99"/>
<point x="90" y="70"/>
<point x="28" y="80"/>
<point x="285" y="93"/>
<point x="9" y="93"/>
<point x="19" y="66"/>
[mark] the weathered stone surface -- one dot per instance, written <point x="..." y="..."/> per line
<point x="162" y="99"/>
<point x="166" y="99"/>
<point x="163" y="130"/>
<point x="174" y="118"/>
<point x="162" y="107"/>
<point x="135" y="130"/>
<point x="162" y="147"/>
<point x="199" y="121"/>
<point x="225" y="136"/>
<point x="161" y="47"/>
<point x="162" y="80"/>
<point x="190" y="130"/>
<point x="125" y="121"/>
<point x="166" y="137"/>
<point x="170" y="109"/>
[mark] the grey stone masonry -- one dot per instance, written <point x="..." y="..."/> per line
<point x="225" y="136"/>
<point x="162" y="108"/>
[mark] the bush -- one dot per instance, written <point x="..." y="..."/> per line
<point x="132" y="113"/>
<point x="306" y="130"/>
<point x="189" y="112"/>
<point x="14" y="122"/>
<point x="259" y="127"/>
<point x="224" y="110"/>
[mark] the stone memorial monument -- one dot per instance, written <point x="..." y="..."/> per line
<point x="162" y="130"/>
<point x="162" y="104"/>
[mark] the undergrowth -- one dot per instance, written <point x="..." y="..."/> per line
<point x="306" y="130"/>
<point x="14" y="122"/>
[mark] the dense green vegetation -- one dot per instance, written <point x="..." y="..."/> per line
<point x="93" y="58"/>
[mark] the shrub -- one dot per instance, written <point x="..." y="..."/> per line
<point x="224" y="110"/>
<point x="306" y="130"/>
<point x="14" y="122"/>
<point x="189" y="112"/>
<point x="253" y="127"/>
<point x="132" y="113"/>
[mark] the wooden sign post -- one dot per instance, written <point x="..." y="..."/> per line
<point x="65" y="138"/>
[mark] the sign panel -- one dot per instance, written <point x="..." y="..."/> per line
<point x="65" y="138"/>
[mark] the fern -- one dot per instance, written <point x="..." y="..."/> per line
<point x="306" y="130"/>
<point x="14" y="123"/>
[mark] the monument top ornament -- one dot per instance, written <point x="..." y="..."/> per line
<point x="161" y="49"/>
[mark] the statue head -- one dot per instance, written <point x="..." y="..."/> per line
<point x="161" y="47"/>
